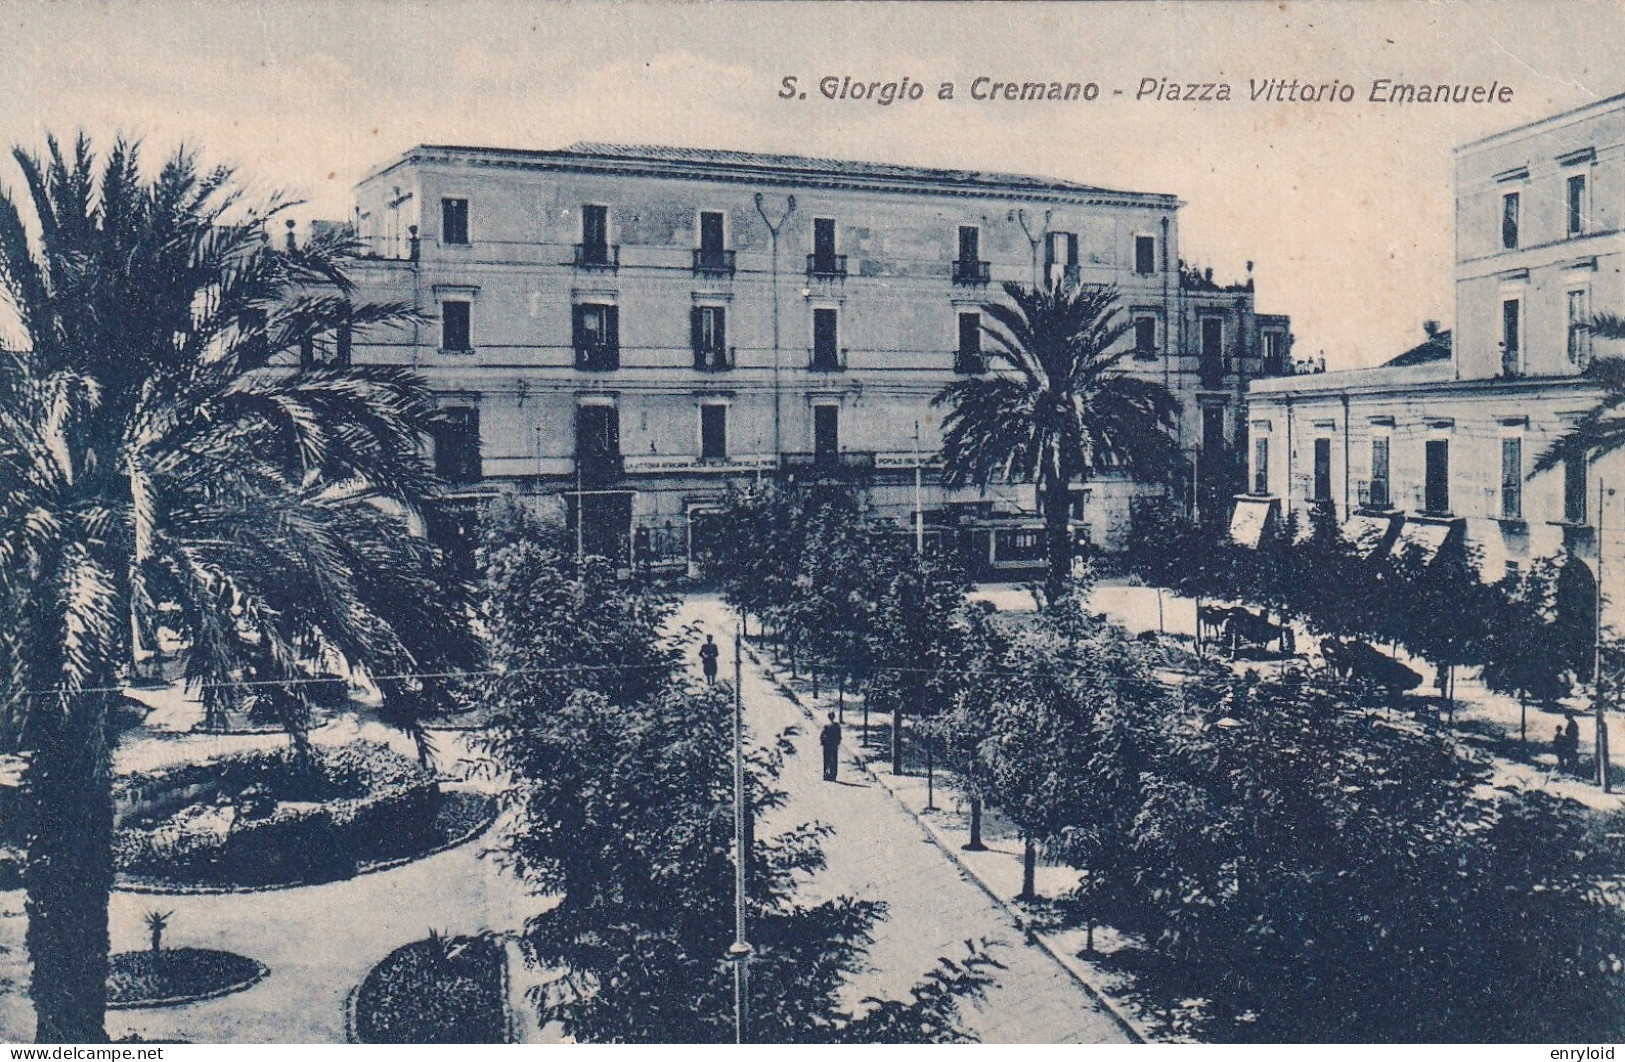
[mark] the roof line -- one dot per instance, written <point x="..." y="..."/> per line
<point x="1572" y="112"/>
<point x="783" y="168"/>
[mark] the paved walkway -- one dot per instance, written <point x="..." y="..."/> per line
<point x="880" y="852"/>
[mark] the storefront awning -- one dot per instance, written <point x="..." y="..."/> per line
<point x="1252" y="517"/>
<point x="1422" y="539"/>
<point x="1369" y="534"/>
<point x="1493" y="544"/>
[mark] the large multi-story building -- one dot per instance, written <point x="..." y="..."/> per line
<point x="1438" y="448"/>
<point x="623" y="331"/>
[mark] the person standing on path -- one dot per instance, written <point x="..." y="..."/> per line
<point x="830" y="739"/>
<point x="708" y="659"/>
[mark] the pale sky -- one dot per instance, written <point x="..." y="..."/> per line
<point x="1345" y="208"/>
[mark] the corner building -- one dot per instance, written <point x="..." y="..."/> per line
<point x="622" y="332"/>
<point x="1439" y="452"/>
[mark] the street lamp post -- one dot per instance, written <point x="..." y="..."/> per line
<point x="739" y="950"/>
<point x="1596" y="653"/>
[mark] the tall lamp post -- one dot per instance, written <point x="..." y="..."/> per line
<point x="739" y="950"/>
<point x="1596" y="652"/>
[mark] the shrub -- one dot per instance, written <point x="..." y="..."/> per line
<point x="358" y="801"/>
<point x="444" y="990"/>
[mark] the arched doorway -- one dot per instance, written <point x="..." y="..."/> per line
<point x="1574" y="608"/>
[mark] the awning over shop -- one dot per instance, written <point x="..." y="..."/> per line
<point x="1493" y="544"/>
<point x="1423" y="538"/>
<point x="1371" y="534"/>
<point x="1252" y="517"/>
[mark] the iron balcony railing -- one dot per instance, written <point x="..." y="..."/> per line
<point x="713" y="262"/>
<point x="826" y="265"/>
<point x="598" y="256"/>
<point x="972" y="271"/>
<point x="597" y="357"/>
<point x="969" y="362"/>
<point x="713" y="359"/>
<point x="826" y="360"/>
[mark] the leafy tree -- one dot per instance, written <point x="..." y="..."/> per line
<point x="1315" y="871"/>
<point x="160" y="442"/>
<point x="1058" y="408"/>
<point x="622" y="788"/>
<point x="1522" y="652"/>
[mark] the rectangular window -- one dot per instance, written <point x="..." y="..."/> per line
<point x="970" y="243"/>
<point x="1145" y="335"/>
<point x="1509" y="220"/>
<point x="1511" y="338"/>
<point x="1512" y="479"/>
<point x="1379" y="472"/>
<point x="1436" y="490"/>
<point x="826" y="352"/>
<point x="597" y="337"/>
<point x="824" y="239"/>
<point x="1274" y="353"/>
<point x="598" y="431"/>
<point x="454" y="221"/>
<point x="455" y="433"/>
<point x="1579" y="328"/>
<point x="1211" y="367"/>
<point x="826" y="433"/>
<point x="968" y="358"/>
<point x="711" y="230"/>
<point x="1145" y="255"/>
<point x="1574" y="490"/>
<point x="595" y="234"/>
<point x="1323" y="470"/>
<point x="713" y="432"/>
<point x="1261" y="465"/>
<point x="455" y="328"/>
<point x="1061" y="257"/>
<point x="1577" y="204"/>
<point x="709" y="327"/>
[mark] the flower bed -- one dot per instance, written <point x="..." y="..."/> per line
<point x="444" y="990"/>
<point x="174" y="976"/>
<point x="268" y="818"/>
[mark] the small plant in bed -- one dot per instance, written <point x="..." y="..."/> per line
<point x="278" y="817"/>
<point x="443" y="990"/>
<point x="164" y="977"/>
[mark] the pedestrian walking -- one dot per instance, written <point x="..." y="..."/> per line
<point x="708" y="658"/>
<point x="1571" y="741"/>
<point x="830" y="739"/>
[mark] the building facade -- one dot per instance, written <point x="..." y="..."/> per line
<point x="623" y="332"/>
<point x="1433" y="451"/>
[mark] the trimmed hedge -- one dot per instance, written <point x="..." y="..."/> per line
<point x="175" y="976"/>
<point x="444" y="990"/>
<point x="281" y="819"/>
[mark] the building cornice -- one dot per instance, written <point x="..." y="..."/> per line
<point x="935" y="183"/>
<point x="1485" y="388"/>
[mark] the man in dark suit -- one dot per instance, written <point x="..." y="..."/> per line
<point x="830" y="739"/>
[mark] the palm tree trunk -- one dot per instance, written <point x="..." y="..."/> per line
<point x="69" y="873"/>
<point x="1054" y="504"/>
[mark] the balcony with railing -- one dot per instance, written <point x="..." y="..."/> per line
<point x="969" y="362"/>
<point x="598" y="256"/>
<point x="713" y="262"/>
<point x="826" y="265"/>
<point x="1372" y="494"/>
<point x="969" y="271"/>
<point x="1210" y="369"/>
<point x="598" y="357"/>
<point x="713" y="359"/>
<point x="826" y="359"/>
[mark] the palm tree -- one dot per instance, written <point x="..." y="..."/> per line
<point x="1601" y="430"/>
<point x="1061" y="411"/>
<point x="161" y="442"/>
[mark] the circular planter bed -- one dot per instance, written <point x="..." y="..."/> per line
<point x="444" y="990"/>
<point x="269" y="819"/>
<point x="175" y="976"/>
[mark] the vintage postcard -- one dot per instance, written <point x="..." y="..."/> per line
<point x="697" y="522"/>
